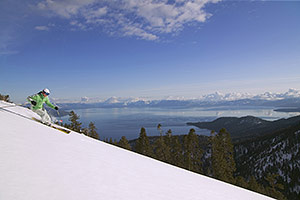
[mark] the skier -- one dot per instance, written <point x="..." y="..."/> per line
<point x="37" y="101"/>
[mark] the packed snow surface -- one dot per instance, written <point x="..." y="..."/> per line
<point x="38" y="162"/>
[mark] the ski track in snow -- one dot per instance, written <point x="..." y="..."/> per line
<point x="40" y="163"/>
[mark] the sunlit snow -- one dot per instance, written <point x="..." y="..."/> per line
<point x="40" y="163"/>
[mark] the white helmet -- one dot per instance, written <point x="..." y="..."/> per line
<point x="46" y="91"/>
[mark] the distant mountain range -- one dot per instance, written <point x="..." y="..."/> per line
<point x="216" y="97"/>
<point x="292" y="104"/>
<point x="285" y="102"/>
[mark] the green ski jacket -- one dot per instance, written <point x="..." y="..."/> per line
<point x="40" y="100"/>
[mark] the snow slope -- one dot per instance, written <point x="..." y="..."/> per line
<point x="38" y="162"/>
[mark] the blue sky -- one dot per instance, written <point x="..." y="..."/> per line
<point x="147" y="48"/>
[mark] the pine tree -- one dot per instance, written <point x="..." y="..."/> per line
<point x="240" y="181"/>
<point x="143" y="145"/>
<point x="176" y="152"/>
<point x="66" y="125"/>
<point x="92" y="131"/>
<point x="192" y="152"/>
<point x="124" y="143"/>
<point x="254" y="186"/>
<point x="167" y="139"/>
<point x="274" y="187"/>
<point x="159" y="129"/>
<point x="223" y="164"/>
<point x="169" y="133"/>
<point x="75" y="125"/>
<point x="85" y="131"/>
<point x="162" y="151"/>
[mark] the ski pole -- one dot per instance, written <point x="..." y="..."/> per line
<point x="60" y="120"/>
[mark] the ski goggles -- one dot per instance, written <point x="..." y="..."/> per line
<point x="46" y="93"/>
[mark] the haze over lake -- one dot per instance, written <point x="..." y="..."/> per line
<point x="117" y="122"/>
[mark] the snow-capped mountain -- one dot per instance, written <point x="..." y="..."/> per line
<point x="218" y="96"/>
<point x="291" y="98"/>
<point x="291" y="93"/>
<point x="39" y="162"/>
<point x="112" y="100"/>
<point x="215" y="97"/>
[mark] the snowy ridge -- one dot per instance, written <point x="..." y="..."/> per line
<point x="213" y="97"/>
<point x="38" y="162"/>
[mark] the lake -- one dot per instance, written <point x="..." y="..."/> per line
<point x="117" y="122"/>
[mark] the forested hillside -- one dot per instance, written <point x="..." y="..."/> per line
<point x="277" y="153"/>
<point x="247" y="127"/>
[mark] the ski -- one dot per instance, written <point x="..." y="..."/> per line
<point x="52" y="126"/>
<point x="34" y="119"/>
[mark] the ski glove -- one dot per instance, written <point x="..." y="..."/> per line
<point x="33" y="103"/>
<point x="56" y="108"/>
